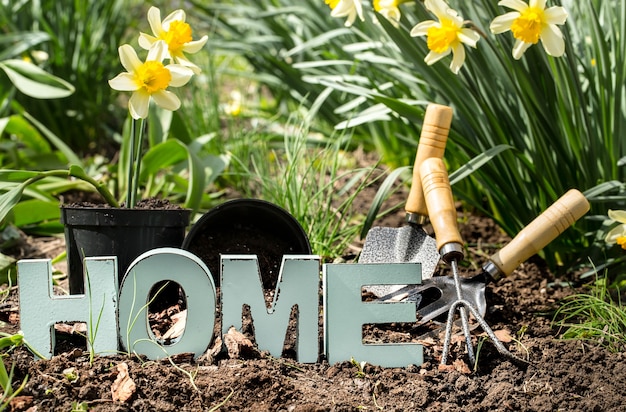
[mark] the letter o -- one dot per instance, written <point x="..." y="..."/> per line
<point x="193" y="276"/>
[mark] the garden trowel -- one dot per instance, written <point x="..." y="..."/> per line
<point x="534" y="237"/>
<point x="411" y="243"/>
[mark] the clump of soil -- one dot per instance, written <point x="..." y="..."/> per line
<point x="560" y="375"/>
<point x="151" y="203"/>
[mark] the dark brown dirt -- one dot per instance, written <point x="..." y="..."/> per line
<point x="560" y="375"/>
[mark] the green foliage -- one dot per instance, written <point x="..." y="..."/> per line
<point x="598" y="315"/>
<point x="563" y="117"/>
<point x="293" y="48"/>
<point x="315" y="179"/>
<point x="76" y="41"/>
<point x="175" y="165"/>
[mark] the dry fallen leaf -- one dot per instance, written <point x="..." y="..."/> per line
<point x="123" y="387"/>
<point x="177" y="329"/>
<point x="503" y="335"/>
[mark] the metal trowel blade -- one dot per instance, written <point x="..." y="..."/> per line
<point x="408" y="243"/>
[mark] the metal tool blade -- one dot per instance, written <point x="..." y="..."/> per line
<point x="435" y="296"/>
<point x="408" y="243"/>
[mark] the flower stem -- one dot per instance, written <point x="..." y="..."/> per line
<point x="130" y="197"/>
<point x="137" y="164"/>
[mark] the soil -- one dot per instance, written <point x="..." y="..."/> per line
<point x="566" y="375"/>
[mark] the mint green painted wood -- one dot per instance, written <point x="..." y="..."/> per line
<point x="345" y="313"/>
<point x="40" y="309"/>
<point x="298" y="284"/>
<point x="195" y="279"/>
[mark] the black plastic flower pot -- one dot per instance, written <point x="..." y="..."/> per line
<point x="125" y="233"/>
<point x="247" y="226"/>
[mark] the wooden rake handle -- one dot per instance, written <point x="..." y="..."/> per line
<point x="440" y="203"/>
<point x="432" y="143"/>
<point x="544" y="229"/>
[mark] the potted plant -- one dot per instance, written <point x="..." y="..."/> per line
<point x="126" y="229"/>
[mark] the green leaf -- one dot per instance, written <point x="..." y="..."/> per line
<point x="172" y="152"/>
<point x="70" y="155"/>
<point x="14" y="44"/>
<point x="9" y="199"/>
<point x="35" y="82"/>
<point x="602" y="188"/>
<point x="381" y="195"/>
<point x="33" y="211"/>
<point x="7" y="268"/>
<point x="162" y="156"/>
<point x="17" y="176"/>
<point x="476" y="163"/>
<point x="3" y="123"/>
<point x="27" y="134"/>
<point x="410" y="111"/>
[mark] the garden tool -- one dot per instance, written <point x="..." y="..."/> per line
<point x="411" y="243"/>
<point x="439" y="199"/>
<point x="530" y="240"/>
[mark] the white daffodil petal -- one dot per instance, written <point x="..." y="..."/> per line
<point x="146" y="41"/>
<point x="166" y="100"/>
<point x="503" y="23"/>
<point x="158" y="51"/>
<point x="154" y="19"/>
<point x="518" y="5"/>
<point x="196" y="45"/>
<point x="617" y="215"/>
<point x="176" y="15"/>
<point x="552" y="40"/>
<point x="615" y="233"/>
<point x="183" y="61"/>
<point x="124" y="82"/>
<point x="519" y="48"/>
<point x="458" y="58"/>
<point x="138" y="104"/>
<point x="129" y="58"/>
<point x="358" y="7"/>
<point x="438" y="7"/>
<point x="180" y="74"/>
<point x="421" y="29"/>
<point x="432" y="57"/>
<point x="469" y="37"/>
<point x="540" y="4"/>
<point x="555" y="15"/>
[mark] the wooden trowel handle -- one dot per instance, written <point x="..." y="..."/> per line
<point x="544" y="229"/>
<point x="440" y="203"/>
<point x="432" y="143"/>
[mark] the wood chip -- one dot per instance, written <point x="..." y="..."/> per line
<point x="123" y="387"/>
<point x="73" y="328"/>
<point x="238" y="345"/>
<point x="20" y="403"/>
<point x="458" y="365"/>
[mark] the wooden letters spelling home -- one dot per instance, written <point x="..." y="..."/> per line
<point x="119" y="317"/>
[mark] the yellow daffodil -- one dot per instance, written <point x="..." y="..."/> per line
<point x="446" y="35"/>
<point x="389" y="9"/>
<point x="175" y="33"/>
<point x="346" y="8"/>
<point x="149" y="79"/>
<point x="530" y="23"/>
<point x="618" y="233"/>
